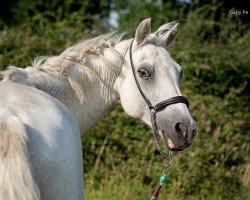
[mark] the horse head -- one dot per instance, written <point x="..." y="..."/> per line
<point x="150" y="79"/>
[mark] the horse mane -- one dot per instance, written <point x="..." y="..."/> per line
<point x="89" y="61"/>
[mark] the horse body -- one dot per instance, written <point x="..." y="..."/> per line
<point x="40" y="146"/>
<point x="86" y="80"/>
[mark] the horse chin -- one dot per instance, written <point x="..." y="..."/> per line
<point x="170" y="144"/>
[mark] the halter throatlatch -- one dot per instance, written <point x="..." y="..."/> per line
<point x="156" y="108"/>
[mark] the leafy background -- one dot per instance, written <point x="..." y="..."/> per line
<point x="120" y="160"/>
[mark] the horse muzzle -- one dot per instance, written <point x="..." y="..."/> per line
<point x="180" y="137"/>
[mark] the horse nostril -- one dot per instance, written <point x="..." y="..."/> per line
<point x="178" y="127"/>
<point x="194" y="132"/>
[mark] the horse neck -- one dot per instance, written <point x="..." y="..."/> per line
<point x="88" y="110"/>
<point x="99" y="94"/>
<point x="91" y="109"/>
<point x="95" y="105"/>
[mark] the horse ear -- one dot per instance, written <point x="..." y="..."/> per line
<point x="143" y="31"/>
<point x="168" y="32"/>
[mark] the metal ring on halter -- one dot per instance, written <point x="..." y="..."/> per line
<point x="158" y="107"/>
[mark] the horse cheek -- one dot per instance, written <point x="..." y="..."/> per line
<point x="131" y="102"/>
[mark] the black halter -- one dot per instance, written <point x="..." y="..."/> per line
<point x="158" y="107"/>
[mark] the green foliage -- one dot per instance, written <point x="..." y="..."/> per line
<point x="120" y="159"/>
<point x="220" y="49"/>
<point x="160" y="14"/>
<point x="18" y="12"/>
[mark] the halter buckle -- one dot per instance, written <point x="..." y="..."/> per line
<point x="152" y="109"/>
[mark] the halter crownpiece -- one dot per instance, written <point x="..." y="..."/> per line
<point x="155" y="108"/>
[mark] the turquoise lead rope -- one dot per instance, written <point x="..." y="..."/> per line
<point x="163" y="178"/>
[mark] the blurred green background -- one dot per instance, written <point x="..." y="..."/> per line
<point x="213" y="47"/>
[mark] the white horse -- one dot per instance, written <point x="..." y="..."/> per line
<point x="44" y="108"/>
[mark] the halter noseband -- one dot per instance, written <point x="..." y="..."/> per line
<point x="158" y="107"/>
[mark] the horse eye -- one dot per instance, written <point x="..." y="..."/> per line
<point x="144" y="74"/>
